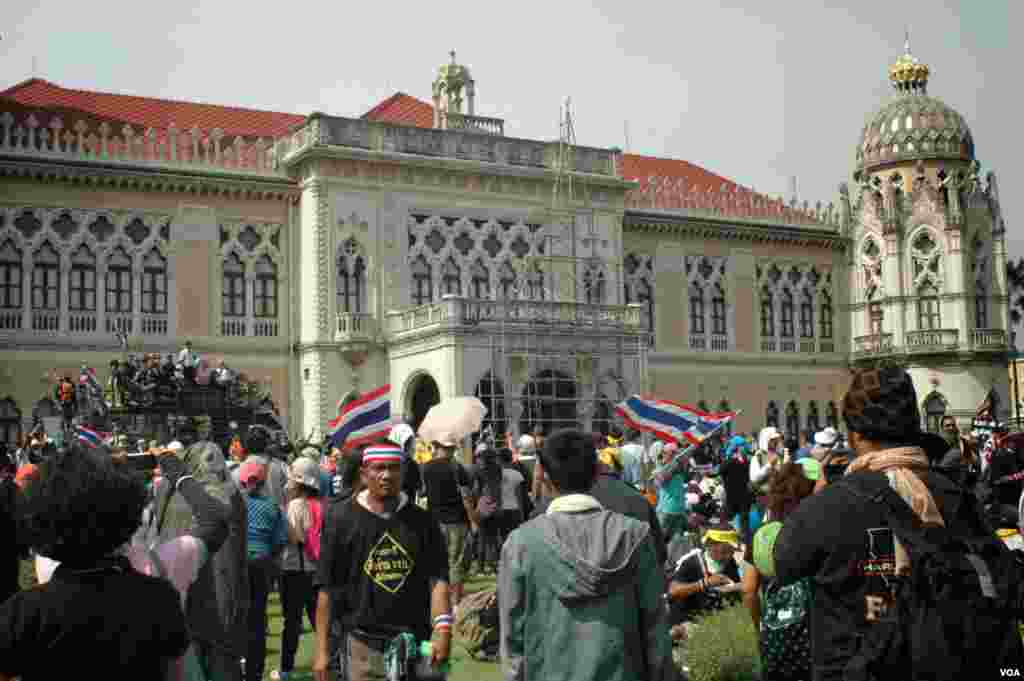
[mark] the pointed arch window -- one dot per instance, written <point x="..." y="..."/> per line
<point x="718" y="323"/>
<point x="807" y="315"/>
<point x="233" y="293"/>
<point x="645" y="295"/>
<point x="792" y="419"/>
<point x="826" y="315"/>
<point x="265" y="285"/>
<point x="767" y="314"/>
<point x="10" y="422"/>
<point x="82" y="280"/>
<point x="10" y="276"/>
<point x="154" y="283"/>
<point x="813" y="423"/>
<point x="832" y="415"/>
<point x="46" y="278"/>
<point x="507" y="281"/>
<point x="351" y="278"/>
<point x="696" y="309"/>
<point x="480" y="281"/>
<point x="771" y="415"/>
<point x="119" y="281"/>
<point x="928" y="314"/>
<point x="422" y="282"/>
<point x="787" y="314"/>
<point x="593" y="286"/>
<point x="980" y="308"/>
<point x="451" y="278"/>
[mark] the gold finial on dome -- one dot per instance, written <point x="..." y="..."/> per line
<point x="908" y="74"/>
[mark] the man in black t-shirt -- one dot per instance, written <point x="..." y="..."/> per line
<point x="450" y="498"/>
<point x="383" y="572"/>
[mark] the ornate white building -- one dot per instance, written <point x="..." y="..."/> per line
<point x="421" y="246"/>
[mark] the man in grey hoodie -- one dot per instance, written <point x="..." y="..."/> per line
<point x="580" y="591"/>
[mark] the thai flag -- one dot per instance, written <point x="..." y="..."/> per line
<point x="671" y="421"/>
<point x="363" y="420"/>
<point x="90" y="437"/>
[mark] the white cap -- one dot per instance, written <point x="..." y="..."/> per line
<point x="175" y="446"/>
<point x="767" y="435"/>
<point x="827" y="437"/>
<point x="400" y="434"/>
<point x="526" y="443"/>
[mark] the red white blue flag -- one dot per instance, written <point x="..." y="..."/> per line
<point x="363" y="420"/>
<point x="671" y="421"/>
<point x="90" y="437"/>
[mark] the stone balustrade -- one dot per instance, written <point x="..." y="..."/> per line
<point x="154" y="325"/>
<point x="484" y="124"/>
<point x="989" y="339"/>
<point x="874" y="344"/>
<point x="49" y="135"/>
<point x="82" y="322"/>
<point x="674" y="195"/>
<point x="478" y="139"/>
<point x="462" y="312"/>
<point x="356" y="326"/>
<point x="265" y="327"/>
<point x="931" y="340"/>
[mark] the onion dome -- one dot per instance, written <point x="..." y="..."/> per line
<point x="913" y="126"/>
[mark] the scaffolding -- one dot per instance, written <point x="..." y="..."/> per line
<point x="563" y="332"/>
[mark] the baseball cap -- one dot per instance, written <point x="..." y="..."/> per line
<point x="827" y="437"/>
<point x="304" y="471"/>
<point x="764" y="547"/>
<point x="252" y="472"/>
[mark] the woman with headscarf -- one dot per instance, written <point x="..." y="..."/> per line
<point x="218" y="602"/>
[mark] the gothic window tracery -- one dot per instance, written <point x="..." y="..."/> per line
<point x="119" y="281"/>
<point x="507" y="281"/>
<point x="928" y="312"/>
<point x="792" y="419"/>
<point x="351" y="278"/>
<point x="786" y="314"/>
<point x="767" y="314"/>
<point x="826" y="315"/>
<point x="265" y="285"/>
<point x="233" y="286"/>
<point x="154" y="283"/>
<point x="813" y="424"/>
<point x="638" y="284"/>
<point x="718" y="321"/>
<point x="46" y="278"/>
<point x="451" y="278"/>
<point x="593" y="286"/>
<point x="696" y="309"/>
<point x="480" y="281"/>
<point x="806" y="314"/>
<point x="10" y="276"/>
<point x="422" y="282"/>
<point x="82" y="280"/>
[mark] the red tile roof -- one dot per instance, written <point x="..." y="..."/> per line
<point x="637" y="167"/>
<point x="403" y="109"/>
<point x="147" y="112"/>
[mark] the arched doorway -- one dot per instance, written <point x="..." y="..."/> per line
<point x="491" y="392"/>
<point x="549" y="402"/>
<point x="423" y="394"/>
<point x="934" y="410"/>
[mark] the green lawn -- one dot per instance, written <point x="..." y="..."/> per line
<point x="464" y="669"/>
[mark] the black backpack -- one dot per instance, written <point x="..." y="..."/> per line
<point x="956" y="615"/>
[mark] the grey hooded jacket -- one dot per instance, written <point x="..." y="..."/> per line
<point x="580" y="598"/>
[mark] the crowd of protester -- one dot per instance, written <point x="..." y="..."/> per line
<point x="606" y="552"/>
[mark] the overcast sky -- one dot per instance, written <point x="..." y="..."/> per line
<point x="756" y="91"/>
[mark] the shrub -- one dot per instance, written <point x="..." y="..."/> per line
<point x="723" y="646"/>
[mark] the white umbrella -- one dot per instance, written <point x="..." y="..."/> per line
<point x="451" y="420"/>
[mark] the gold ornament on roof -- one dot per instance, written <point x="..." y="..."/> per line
<point x="908" y="73"/>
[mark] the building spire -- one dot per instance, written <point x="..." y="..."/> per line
<point x="908" y="74"/>
<point x="452" y="55"/>
<point x="906" y="42"/>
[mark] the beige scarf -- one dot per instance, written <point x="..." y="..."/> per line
<point x="902" y="466"/>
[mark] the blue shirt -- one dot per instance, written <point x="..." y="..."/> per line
<point x="268" y="529"/>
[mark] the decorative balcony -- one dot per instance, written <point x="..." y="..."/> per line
<point x="713" y="342"/>
<point x="120" y="322"/>
<point x="932" y="340"/>
<point x="10" y="319"/>
<point x="265" y="327"/>
<point x="233" y="327"/>
<point x="698" y="342"/>
<point x="356" y="327"/>
<point x="154" y="325"/>
<point x="83" y="322"/>
<point x="45" y="321"/>
<point x="787" y="345"/>
<point x="992" y="340"/>
<point x="49" y="135"/>
<point x="454" y="312"/>
<point x="875" y="344"/>
<point x="484" y="124"/>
